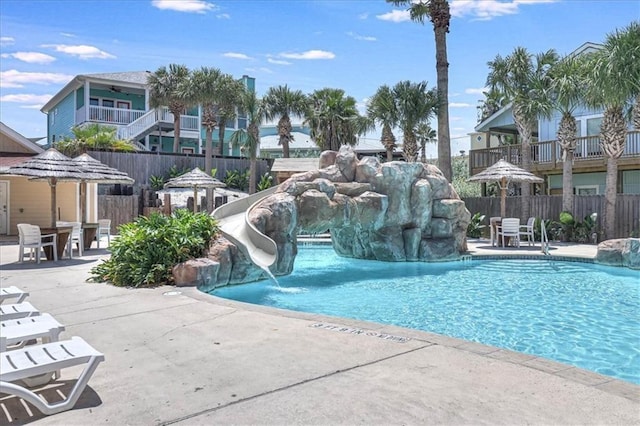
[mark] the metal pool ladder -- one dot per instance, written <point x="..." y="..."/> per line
<point x="544" y="239"/>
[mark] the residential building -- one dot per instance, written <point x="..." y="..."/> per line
<point x="122" y="100"/>
<point x="497" y="137"/>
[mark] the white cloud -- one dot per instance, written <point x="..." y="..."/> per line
<point x="68" y="35"/>
<point x="261" y="69"/>
<point x="363" y="16"/>
<point x="459" y="105"/>
<point x="395" y="16"/>
<point x="35" y="106"/>
<point x="278" y="61"/>
<point x="453" y="118"/>
<point x="25" y="98"/>
<point x="30" y="57"/>
<point x="7" y="41"/>
<point x="236" y="55"/>
<point x="309" y="54"/>
<point x="82" y="51"/>
<point x="188" y="6"/>
<point x="15" y="78"/>
<point x="482" y="10"/>
<point x="485" y="10"/>
<point x="360" y="37"/>
<point x="223" y="16"/>
<point x="474" y="91"/>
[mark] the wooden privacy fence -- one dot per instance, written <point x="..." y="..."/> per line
<point x="549" y="207"/>
<point x="142" y="165"/>
<point x="119" y="208"/>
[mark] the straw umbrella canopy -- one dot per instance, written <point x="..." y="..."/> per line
<point x="195" y="179"/>
<point x="53" y="167"/>
<point x="105" y="174"/>
<point x="503" y="173"/>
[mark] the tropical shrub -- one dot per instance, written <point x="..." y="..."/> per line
<point x="156" y="182"/>
<point x="237" y="179"/>
<point x="174" y="171"/>
<point x="148" y="248"/>
<point x="266" y="182"/>
<point x="474" y="230"/>
<point x="575" y="231"/>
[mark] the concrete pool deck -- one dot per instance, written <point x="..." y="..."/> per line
<point x="178" y="356"/>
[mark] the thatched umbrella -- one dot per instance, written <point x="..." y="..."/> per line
<point x="503" y="173"/>
<point x="195" y="179"/>
<point x="53" y="167"/>
<point x="105" y="174"/>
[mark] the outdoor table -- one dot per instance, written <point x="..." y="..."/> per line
<point x="63" y="233"/>
<point x="89" y="232"/>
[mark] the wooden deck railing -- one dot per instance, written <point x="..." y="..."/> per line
<point x="548" y="152"/>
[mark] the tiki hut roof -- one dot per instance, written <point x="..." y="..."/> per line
<point x="51" y="164"/>
<point x="108" y="174"/>
<point x="196" y="178"/>
<point x="507" y="171"/>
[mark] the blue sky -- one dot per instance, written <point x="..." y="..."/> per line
<point x="353" y="45"/>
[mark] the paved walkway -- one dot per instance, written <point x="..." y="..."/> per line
<point x="178" y="356"/>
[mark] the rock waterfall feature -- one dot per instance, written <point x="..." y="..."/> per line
<point x="393" y="211"/>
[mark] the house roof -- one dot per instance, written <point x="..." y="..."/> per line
<point x="6" y="162"/>
<point x="19" y="139"/>
<point x="294" y="164"/>
<point x="137" y="79"/>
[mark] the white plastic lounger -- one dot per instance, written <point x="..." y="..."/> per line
<point x="12" y="292"/>
<point x="17" y="310"/>
<point x="15" y="333"/>
<point x="37" y="360"/>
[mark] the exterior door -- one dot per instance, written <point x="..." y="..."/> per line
<point x="4" y="207"/>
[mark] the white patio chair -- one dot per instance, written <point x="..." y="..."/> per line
<point x="76" y="237"/>
<point x="527" y="231"/>
<point x="104" y="228"/>
<point x="38" y="360"/>
<point x="510" y="227"/>
<point x="31" y="238"/>
<point x="493" y="229"/>
<point x="12" y="292"/>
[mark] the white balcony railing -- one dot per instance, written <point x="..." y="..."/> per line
<point x="119" y="116"/>
<point x="145" y="122"/>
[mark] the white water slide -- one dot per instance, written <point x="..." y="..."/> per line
<point x="233" y="221"/>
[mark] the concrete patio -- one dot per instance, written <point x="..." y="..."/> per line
<point x="178" y="356"/>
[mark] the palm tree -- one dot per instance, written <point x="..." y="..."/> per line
<point x="282" y="102"/>
<point x="567" y="87"/>
<point x="415" y="104"/>
<point x="438" y="13"/>
<point x="494" y="100"/>
<point x="382" y="109"/>
<point x="333" y="119"/>
<point x="204" y="87"/>
<point x="425" y="134"/>
<point x="229" y="100"/>
<point x="613" y="82"/>
<point x="166" y="87"/>
<point x="249" y="138"/>
<point x="525" y="83"/>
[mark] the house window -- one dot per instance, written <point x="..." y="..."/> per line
<point x="188" y="151"/>
<point x="587" y="190"/>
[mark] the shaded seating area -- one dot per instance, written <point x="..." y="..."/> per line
<point x="25" y="365"/>
<point x="509" y="229"/>
<point x="76" y="237"/>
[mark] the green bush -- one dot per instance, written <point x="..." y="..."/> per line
<point x="148" y="248"/>
<point x="237" y="179"/>
<point x="156" y="182"/>
<point x="266" y="182"/>
<point x="474" y="230"/>
<point x="174" y="171"/>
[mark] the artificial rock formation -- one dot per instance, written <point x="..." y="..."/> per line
<point x="620" y="252"/>
<point x="392" y="211"/>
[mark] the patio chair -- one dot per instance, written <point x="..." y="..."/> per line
<point x="31" y="238"/>
<point x="493" y="229"/>
<point x="76" y="237"/>
<point x="36" y="360"/>
<point x="104" y="228"/>
<point x="17" y="310"/>
<point x="12" y="292"/>
<point x="14" y="334"/>
<point x="510" y="227"/>
<point x="527" y="231"/>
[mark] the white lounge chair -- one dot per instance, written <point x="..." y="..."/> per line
<point x="527" y="231"/>
<point x="12" y="292"/>
<point x="510" y="227"/>
<point x="17" y="310"/>
<point x="36" y="360"/>
<point x="15" y="333"/>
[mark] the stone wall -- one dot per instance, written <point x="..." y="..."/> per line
<point x="392" y="211"/>
<point x="620" y="252"/>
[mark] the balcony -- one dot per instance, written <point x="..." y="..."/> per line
<point x="546" y="156"/>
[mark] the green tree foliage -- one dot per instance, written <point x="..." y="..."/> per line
<point x="92" y="136"/>
<point x="147" y="249"/>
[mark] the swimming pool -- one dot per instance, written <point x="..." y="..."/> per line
<point x="581" y="314"/>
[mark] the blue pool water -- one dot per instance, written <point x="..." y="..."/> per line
<point x="578" y="313"/>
